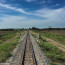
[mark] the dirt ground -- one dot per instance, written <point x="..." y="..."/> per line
<point x="58" y="45"/>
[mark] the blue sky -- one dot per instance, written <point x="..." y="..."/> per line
<point x="32" y="13"/>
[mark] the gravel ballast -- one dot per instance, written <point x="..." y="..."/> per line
<point x="40" y="56"/>
<point x="17" y="57"/>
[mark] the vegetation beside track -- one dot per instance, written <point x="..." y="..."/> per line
<point x="55" y="36"/>
<point x="56" y="56"/>
<point x="7" y="44"/>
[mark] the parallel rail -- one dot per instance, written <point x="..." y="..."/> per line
<point x="29" y="45"/>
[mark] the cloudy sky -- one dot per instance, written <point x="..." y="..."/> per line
<point x="32" y="13"/>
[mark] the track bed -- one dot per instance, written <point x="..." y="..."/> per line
<point x="28" y="57"/>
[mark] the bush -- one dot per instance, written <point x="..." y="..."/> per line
<point x="0" y="41"/>
<point x="53" y="63"/>
<point x="4" y="55"/>
<point x="52" y="51"/>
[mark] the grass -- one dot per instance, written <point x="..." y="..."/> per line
<point x="8" y="36"/>
<point x="56" y="56"/>
<point x="52" y="51"/>
<point x="55" y="36"/>
<point x="4" y="55"/>
<point x="0" y="41"/>
<point x="6" y="47"/>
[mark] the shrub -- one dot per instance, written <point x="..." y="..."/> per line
<point x="0" y="41"/>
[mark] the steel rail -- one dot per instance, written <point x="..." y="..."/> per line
<point x="34" y="58"/>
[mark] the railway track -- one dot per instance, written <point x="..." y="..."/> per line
<point x="29" y="56"/>
<point x="24" y="53"/>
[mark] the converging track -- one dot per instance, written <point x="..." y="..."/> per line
<point x="27" y="53"/>
<point x="29" y="56"/>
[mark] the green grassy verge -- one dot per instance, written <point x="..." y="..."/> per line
<point x="7" y="46"/>
<point x="57" y="37"/>
<point x="52" y="52"/>
<point x="7" y="36"/>
<point x="56" y="56"/>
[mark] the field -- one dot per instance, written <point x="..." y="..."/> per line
<point x="8" y="41"/>
<point x="57" y="35"/>
<point x="56" y="56"/>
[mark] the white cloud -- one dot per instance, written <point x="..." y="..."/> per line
<point x="30" y="0"/>
<point x="57" y="5"/>
<point x="54" y="17"/>
<point x="49" y="13"/>
<point x="13" y="8"/>
<point x="8" y="21"/>
<point x="2" y="1"/>
<point x="16" y="9"/>
<point x="44" y="12"/>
